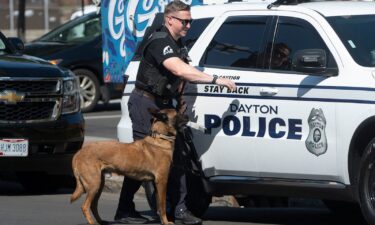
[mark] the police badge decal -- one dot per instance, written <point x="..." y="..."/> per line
<point x="316" y="141"/>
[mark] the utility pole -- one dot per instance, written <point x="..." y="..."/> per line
<point x="11" y="17"/>
<point x="46" y="16"/>
<point x="83" y="7"/>
<point x="21" y="19"/>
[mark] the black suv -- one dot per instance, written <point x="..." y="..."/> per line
<point x="41" y="125"/>
<point x="77" y="45"/>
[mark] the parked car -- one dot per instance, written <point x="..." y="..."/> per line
<point x="77" y="45"/>
<point x="301" y="121"/>
<point x="41" y="125"/>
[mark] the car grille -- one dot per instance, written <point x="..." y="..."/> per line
<point x="34" y="87"/>
<point x="25" y="100"/>
<point x="26" y="111"/>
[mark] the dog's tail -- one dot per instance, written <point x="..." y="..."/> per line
<point x="78" y="191"/>
<point x="79" y="186"/>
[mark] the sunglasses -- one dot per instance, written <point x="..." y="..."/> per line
<point x="183" y="22"/>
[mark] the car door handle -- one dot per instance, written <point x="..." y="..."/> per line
<point x="268" y="91"/>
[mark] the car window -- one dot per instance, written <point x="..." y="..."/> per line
<point x="2" y="45"/>
<point x="76" y="32"/>
<point x="293" y="34"/>
<point x="237" y="43"/>
<point x="357" y="33"/>
<point x="196" y="29"/>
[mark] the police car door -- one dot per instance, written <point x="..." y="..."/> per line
<point x="300" y="136"/>
<point x="277" y="123"/>
<point x="228" y="146"/>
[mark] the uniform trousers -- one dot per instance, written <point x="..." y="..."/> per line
<point x="138" y="105"/>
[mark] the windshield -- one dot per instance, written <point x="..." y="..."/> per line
<point x="75" y="31"/>
<point x="358" y="35"/>
<point x="3" y="45"/>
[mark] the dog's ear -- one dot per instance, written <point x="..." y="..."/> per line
<point x="158" y="114"/>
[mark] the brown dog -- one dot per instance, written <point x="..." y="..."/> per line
<point x="145" y="159"/>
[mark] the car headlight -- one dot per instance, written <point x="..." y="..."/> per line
<point x="55" y="61"/>
<point x="71" y="99"/>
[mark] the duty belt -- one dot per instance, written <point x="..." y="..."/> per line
<point x="150" y="96"/>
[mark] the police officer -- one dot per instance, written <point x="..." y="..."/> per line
<point x="164" y="65"/>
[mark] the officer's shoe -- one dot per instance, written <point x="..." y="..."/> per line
<point x="132" y="217"/>
<point x="186" y="217"/>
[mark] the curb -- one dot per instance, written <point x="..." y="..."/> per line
<point x="113" y="184"/>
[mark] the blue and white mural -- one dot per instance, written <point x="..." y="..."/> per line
<point x="124" y="23"/>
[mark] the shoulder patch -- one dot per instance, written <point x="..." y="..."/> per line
<point x="167" y="50"/>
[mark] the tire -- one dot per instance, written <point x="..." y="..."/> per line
<point x="197" y="201"/>
<point x="89" y="89"/>
<point x="366" y="185"/>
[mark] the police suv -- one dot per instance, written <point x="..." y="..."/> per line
<point x="302" y="119"/>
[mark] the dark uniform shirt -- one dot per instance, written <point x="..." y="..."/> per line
<point x="163" y="48"/>
<point x="154" y="55"/>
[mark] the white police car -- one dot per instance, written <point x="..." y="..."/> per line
<point x="302" y="120"/>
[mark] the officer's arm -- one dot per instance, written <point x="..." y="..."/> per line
<point x="190" y="73"/>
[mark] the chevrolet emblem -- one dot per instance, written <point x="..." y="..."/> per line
<point x="11" y="97"/>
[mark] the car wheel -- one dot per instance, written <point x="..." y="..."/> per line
<point x="366" y="186"/>
<point x="197" y="201"/>
<point x="89" y="89"/>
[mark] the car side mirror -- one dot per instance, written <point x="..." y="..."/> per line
<point x="17" y="43"/>
<point x="313" y="61"/>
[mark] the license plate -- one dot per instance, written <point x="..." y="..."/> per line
<point x="14" y="147"/>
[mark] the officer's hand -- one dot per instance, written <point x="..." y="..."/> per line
<point x="227" y="83"/>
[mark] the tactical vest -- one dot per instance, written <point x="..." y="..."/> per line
<point x="157" y="80"/>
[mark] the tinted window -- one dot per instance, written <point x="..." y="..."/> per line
<point x="357" y="33"/>
<point x="196" y="29"/>
<point x="237" y="43"/>
<point x="3" y="45"/>
<point x="291" y="35"/>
